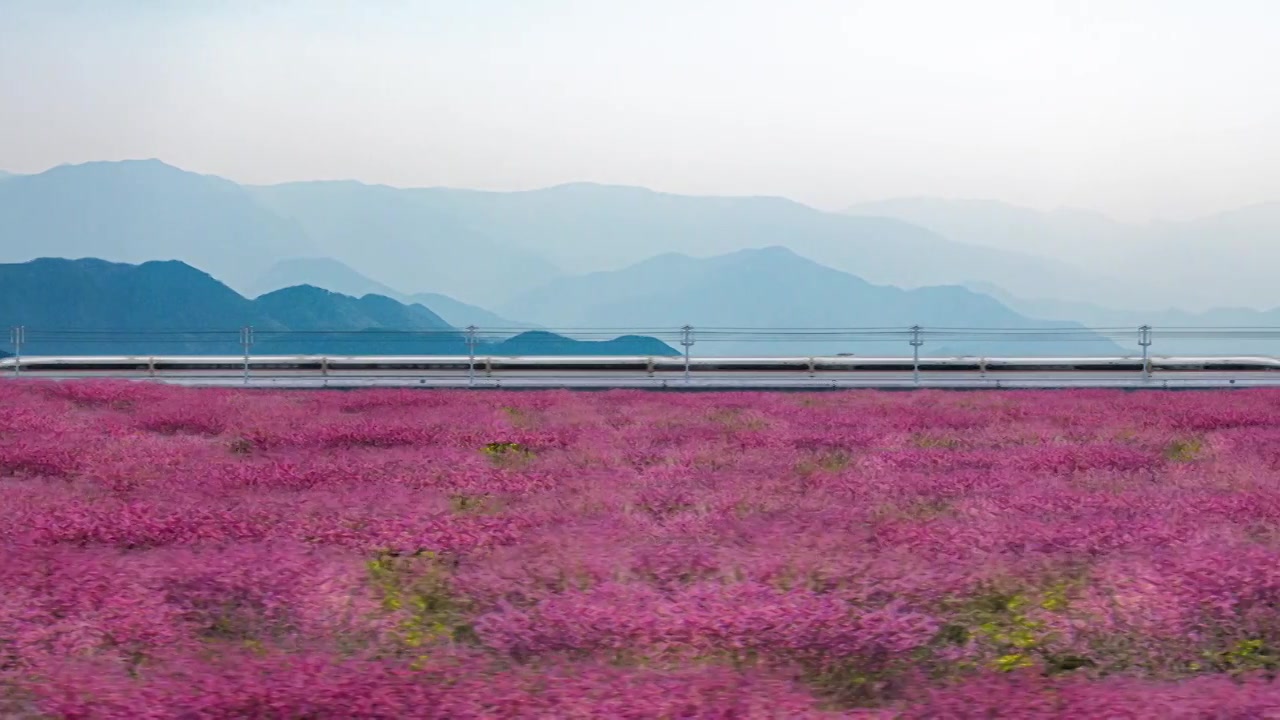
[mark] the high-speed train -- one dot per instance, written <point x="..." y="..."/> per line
<point x="647" y="371"/>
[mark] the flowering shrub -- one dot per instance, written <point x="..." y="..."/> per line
<point x="170" y="552"/>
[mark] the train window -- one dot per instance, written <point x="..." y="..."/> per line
<point x="1066" y="367"/>
<point x="197" y="367"/>
<point x="1215" y="367"/>
<point x="730" y="366"/>
<point x="383" y="367"/>
<point x="868" y="367"/>
<point x="949" y="367"/>
<point x="83" y="367"/>
<point x="604" y="366"/>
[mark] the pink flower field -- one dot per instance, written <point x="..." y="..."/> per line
<point x="199" y="553"/>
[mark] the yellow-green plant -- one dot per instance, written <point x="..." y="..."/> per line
<point x="1245" y="656"/>
<point x="1005" y="623"/>
<point x="507" y="453"/>
<point x="415" y="588"/>
<point x="1184" y="450"/>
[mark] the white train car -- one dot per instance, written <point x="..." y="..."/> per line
<point x="642" y="370"/>
<point x="1242" y="363"/>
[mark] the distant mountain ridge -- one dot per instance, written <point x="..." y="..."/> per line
<point x="407" y="238"/>
<point x="728" y="291"/>
<point x="1163" y="322"/>
<point x="170" y="307"/>
<point x="326" y="273"/>
<point x="482" y="248"/>
<point x="91" y="306"/>
<point x="138" y="211"/>
<point x="992" y="223"/>
<point x="338" y="277"/>
<point x="584" y="227"/>
<point x="1223" y="260"/>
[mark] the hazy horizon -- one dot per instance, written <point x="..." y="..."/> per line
<point x="657" y="190"/>
<point x="1138" y="110"/>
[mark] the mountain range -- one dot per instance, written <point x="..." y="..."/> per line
<point x="1223" y="260"/>
<point x="769" y="288"/>
<point x="91" y="307"/>
<point x="139" y="211"/>
<point x="583" y="254"/>
<point x="583" y="227"/>
<point x="482" y="248"/>
<point x="1056" y="234"/>
<point x="408" y="238"/>
<point x="332" y="275"/>
<point x="774" y="289"/>
<point x="1174" y="331"/>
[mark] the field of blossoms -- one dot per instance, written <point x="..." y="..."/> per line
<point x="202" y="553"/>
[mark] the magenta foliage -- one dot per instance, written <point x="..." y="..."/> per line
<point x="327" y="688"/>
<point x="1032" y="698"/>
<point x="710" y="619"/>
<point x="173" y="552"/>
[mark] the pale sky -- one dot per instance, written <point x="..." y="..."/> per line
<point x="1138" y="108"/>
